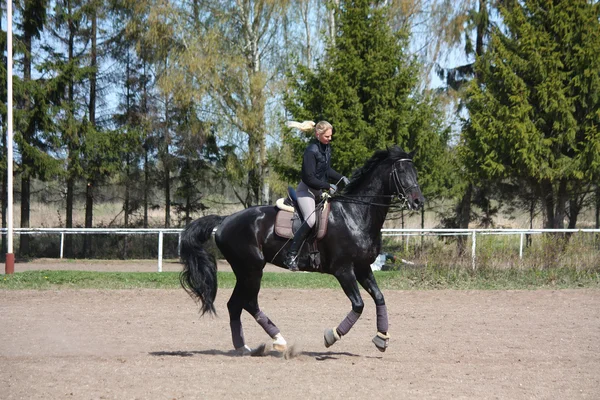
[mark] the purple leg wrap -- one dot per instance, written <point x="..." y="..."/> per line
<point x="382" y="319"/>
<point x="237" y="334"/>
<point x="348" y="322"/>
<point x="266" y="324"/>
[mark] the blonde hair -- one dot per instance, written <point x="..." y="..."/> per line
<point x="306" y="126"/>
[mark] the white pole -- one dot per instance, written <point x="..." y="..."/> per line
<point x="521" y="246"/>
<point x="62" y="244"/>
<point x="10" y="257"/>
<point x="160" y="250"/>
<point x="473" y="250"/>
<point x="179" y="244"/>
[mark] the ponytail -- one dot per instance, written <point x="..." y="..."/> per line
<point x="303" y="126"/>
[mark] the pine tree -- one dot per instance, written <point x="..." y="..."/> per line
<point x="535" y="107"/>
<point x="367" y="87"/>
<point x="65" y="62"/>
<point x="34" y="126"/>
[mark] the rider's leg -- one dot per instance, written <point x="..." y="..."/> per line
<point x="306" y="202"/>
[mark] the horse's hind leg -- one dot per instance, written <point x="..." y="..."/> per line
<point x="235" y="306"/>
<point x="367" y="281"/>
<point x="347" y="280"/>
<point x="245" y="296"/>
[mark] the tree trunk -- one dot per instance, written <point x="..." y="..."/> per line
<point x="598" y="207"/>
<point x="127" y="200"/>
<point x="89" y="206"/>
<point x="72" y="154"/>
<point x="25" y="213"/>
<point x="561" y="205"/>
<point x="335" y="5"/>
<point x="4" y="195"/>
<point x="167" y="184"/>
<point x="126" y="205"/>
<point x="574" y="210"/>
<point x="167" y="167"/>
<point x="532" y="204"/>
<point x="146" y="145"/>
<point x="89" y="193"/>
<point x="68" y="250"/>
<point x="546" y="190"/>
<point x="464" y="217"/>
<point x="146" y="186"/>
<point x="26" y="162"/>
<point x="422" y="226"/>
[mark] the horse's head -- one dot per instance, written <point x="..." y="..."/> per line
<point x="403" y="178"/>
<point x="390" y="171"/>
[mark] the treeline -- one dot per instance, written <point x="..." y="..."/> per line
<point x="173" y="96"/>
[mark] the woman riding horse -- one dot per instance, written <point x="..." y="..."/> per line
<point x="316" y="172"/>
<point x="247" y="241"/>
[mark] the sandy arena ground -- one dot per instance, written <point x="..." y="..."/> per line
<point x="152" y="344"/>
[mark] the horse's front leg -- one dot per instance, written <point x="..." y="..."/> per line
<point x="367" y="281"/>
<point x="347" y="280"/>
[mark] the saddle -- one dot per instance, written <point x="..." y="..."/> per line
<point x="289" y="218"/>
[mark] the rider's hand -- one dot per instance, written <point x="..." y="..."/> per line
<point x="332" y="188"/>
<point x="345" y="180"/>
<point x="325" y="196"/>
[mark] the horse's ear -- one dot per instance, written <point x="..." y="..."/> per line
<point x="412" y="154"/>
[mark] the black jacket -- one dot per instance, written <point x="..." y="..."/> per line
<point x="316" y="166"/>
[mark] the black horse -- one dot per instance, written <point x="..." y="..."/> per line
<point x="353" y="240"/>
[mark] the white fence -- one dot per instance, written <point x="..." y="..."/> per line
<point x="407" y="233"/>
<point x="474" y="232"/>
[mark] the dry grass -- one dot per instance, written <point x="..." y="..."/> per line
<point x="52" y="215"/>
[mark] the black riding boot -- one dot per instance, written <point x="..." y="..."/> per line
<point x="291" y="258"/>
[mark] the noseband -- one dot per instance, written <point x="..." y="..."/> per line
<point x="400" y="190"/>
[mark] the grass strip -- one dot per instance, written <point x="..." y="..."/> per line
<point x="407" y="279"/>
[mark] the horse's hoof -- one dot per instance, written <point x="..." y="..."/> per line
<point x="381" y="341"/>
<point x="281" y="348"/>
<point x="243" y="351"/>
<point x="279" y="343"/>
<point x="330" y="337"/>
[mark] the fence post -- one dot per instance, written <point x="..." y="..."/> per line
<point x="473" y="249"/>
<point x="179" y="244"/>
<point x="160" y="250"/>
<point x="62" y="244"/>
<point x="521" y="246"/>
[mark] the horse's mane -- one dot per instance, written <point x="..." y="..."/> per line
<point x="392" y="154"/>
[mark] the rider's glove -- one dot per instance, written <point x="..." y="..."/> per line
<point x="332" y="188"/>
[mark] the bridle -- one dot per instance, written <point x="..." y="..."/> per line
<point x="400" y="191"/>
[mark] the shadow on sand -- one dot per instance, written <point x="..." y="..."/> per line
<point x="261" y="351"/>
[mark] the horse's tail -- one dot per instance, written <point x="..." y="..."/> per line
<point x="199" y="275"/>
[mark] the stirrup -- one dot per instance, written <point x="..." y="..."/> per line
<point x="291" y="262"/>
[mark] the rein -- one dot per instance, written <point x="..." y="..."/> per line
<point x="400" y="191"/>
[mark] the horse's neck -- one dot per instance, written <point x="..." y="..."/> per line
<point x="369" y="208"/>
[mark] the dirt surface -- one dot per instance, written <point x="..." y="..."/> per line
<point x="152" y="344"/>
<point x="113" y="265"/>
